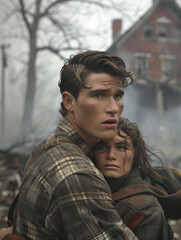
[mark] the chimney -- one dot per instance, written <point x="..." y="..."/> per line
<point x="163" y="1"/>
<point x="116" y="27"/>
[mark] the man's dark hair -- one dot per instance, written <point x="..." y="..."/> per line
<point x="76" y="69"/>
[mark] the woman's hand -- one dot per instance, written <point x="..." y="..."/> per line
<point x="5" y="231"/>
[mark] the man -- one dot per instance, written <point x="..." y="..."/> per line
<point x="63" y="195"/>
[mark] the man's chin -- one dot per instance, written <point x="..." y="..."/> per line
<point x="109" y="135"/>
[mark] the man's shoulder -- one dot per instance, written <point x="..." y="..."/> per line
<point x="63" y="157"/>
<point x="65" y="151"/>
<point x="58" y="154"/>
<point x="63" y="161"/>
<point x="60" y="143"/>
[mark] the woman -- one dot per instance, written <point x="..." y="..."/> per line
<point x="144" y="196"/>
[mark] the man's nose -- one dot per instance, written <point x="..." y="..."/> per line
<point x="111" y="154"/>
<point x="112" y="105"/>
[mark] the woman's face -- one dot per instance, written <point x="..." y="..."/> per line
<point x="114" y="158"/>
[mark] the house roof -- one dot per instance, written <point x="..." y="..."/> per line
<point x="121" y="38"/>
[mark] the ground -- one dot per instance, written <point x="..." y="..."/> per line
<point x="11" y="170"/>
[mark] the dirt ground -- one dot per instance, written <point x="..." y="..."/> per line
<point x="11" y="169"/>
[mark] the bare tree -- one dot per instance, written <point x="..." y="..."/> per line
<point x="53" y="26"/>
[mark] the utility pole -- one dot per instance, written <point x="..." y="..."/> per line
<point x="159" y="94"/>
<point x="4" y="65"/>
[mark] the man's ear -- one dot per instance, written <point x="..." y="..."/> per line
<point x="68" y="101"/>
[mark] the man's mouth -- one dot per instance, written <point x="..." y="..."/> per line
<point x="110" y="123"/>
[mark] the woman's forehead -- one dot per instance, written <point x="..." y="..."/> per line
<point x="120" y="137"/>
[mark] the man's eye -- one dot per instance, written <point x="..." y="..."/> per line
<point x="118" y="96"/>
<point x="98" y="95"/>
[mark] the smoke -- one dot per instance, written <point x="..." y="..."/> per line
<point x="161" y="130"/>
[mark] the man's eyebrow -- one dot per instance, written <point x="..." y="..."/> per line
<point x="99" y="91"/>
<point x="121" y="92"/>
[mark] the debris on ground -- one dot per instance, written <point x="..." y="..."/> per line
<point x="11" y="172"/>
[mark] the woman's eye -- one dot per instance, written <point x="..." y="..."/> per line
<point x="101" y="149"/>
<point x="121" y="147"/>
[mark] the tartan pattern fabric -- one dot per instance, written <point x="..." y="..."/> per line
<point x="137" y="202"/>
<point x="65" y="196"/>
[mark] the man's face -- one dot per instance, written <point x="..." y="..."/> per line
<point x="97" y="110"/>
<point x="114" y="158"/>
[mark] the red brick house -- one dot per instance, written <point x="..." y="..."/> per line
<point x="151" y="49"/>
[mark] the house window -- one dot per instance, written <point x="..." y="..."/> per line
<point x="148" y="30"/>
<point x="162" y="29"/>
<point x="141" y="66"/>
<point x="167" y="69"/>
<point x="176" y="32"/>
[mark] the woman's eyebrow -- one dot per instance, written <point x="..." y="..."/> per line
<point x="121" y="142"/>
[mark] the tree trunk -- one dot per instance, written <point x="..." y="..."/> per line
<point x="26" y="124"/>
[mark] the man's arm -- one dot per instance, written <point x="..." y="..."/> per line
<point x="66" y="197"/>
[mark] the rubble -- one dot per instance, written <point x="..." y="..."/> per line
<point x="11" y="172"/>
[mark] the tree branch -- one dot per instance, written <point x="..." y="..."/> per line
<point x="23" y="12"/>
<point x="56" y="51"/>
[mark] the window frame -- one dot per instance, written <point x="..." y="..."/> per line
<point x="142" y="64"/>
<point x="167" y="67"/>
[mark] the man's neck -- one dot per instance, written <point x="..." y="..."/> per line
<point x="88" y="139"/>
